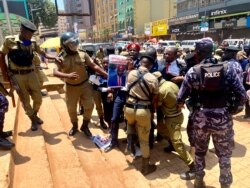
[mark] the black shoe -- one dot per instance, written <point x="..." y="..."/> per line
<point x="39" y="121"/>
<point x="5" y="144"/>
<point x="43" y="93"/>
<point x="111" y="146"/>
<point x="189" y="175"/>
<point x="6" y="134"/>
<point x="73" y="131"/>
<point x="103" y="124"/>
<point x="86" y="131"/>
<point x="246" y="117"/>
<point x="158" y="138"/>
<point x="34" y="127"/>
<point x="169" y="148"/>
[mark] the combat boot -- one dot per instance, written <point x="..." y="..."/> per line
<point x="5" y="144"/>
<point x="146" y="167"/>
<point x="199" y="183"/>
<point x="189" y="175"/>
<point x="103" y="124"/>
<point x="34" y="123"/>
<point x="224" y="186"/>
<point x="5" y="134"/>
<point x="85" y="128"/>
<point x="169" y="148"/>
<point x="38" y="120"/>
<point x="74" y="129"/>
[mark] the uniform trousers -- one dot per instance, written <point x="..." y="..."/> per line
<point x="4" y="104"/>
<point x="83" y="93"/>
<point x="139" y="120"/>
<point x="217" y="124"/>
<point x="30" y="86"/>
<point x="171" y="129"/>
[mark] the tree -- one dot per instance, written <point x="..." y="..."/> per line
<point x="42" y="11"/>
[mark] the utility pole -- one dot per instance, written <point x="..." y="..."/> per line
<point x="6" y="12"/>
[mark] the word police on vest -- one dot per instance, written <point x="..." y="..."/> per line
<point x="212" y="74"/>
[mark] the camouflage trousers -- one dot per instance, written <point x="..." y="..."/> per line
<point x="218" y="125"/>
<point x="4" y="104"/>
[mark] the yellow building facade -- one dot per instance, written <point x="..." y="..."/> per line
<point x="106" y="19"/>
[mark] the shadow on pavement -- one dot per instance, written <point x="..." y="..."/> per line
<point x="19" y="159"/>
<point x="239" y="150"/>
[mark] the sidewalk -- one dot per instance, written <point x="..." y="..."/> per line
<point x="169" y="166"/>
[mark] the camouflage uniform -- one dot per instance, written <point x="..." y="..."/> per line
<point x="215" y="122"/>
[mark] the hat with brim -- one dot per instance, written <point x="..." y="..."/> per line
<point x="151" y="59"/>
<point x="28" y="26"/>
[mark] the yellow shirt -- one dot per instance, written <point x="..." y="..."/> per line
<point x="75" y="63"/>
<point x="11" y="43"/>
<point x="168" y="92"/>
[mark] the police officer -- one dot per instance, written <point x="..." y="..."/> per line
<point x="139" y="106"/>
<point x="211" y="115"/>
<point x="20" y="50"/>
<point x="73" y="69"/>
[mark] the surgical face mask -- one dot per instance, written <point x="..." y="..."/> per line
<point x="72" y="44"/>
<point x="27" y="42"/>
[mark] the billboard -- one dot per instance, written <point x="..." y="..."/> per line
<point x="159" y="27"/>
<point x="17" y="7"/>
<point x="147" y="28"/>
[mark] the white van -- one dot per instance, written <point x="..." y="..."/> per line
<point x="188" y="44"/>
<point x="165" y="44"/>
<point x="232" y="42"/>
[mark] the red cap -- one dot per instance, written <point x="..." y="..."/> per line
<point x="134" y="45"/>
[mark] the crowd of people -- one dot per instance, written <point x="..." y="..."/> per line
<point x="205" y="80"/>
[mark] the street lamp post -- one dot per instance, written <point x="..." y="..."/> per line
<point x="6" y="11"/>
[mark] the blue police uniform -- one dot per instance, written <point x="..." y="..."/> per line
<point x="216" y="122"/>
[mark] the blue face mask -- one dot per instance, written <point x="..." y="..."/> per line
<point x="27" y="42"/>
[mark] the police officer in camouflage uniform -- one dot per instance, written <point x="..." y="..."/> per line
<point x="72" y="68"/>
<point x="211" y="116"/>
<point x="4" y="104"/>
<point x="20" y="50"/>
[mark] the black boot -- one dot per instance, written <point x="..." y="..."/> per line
<point x="169" y="148"/>
<point x="5" y="144"/>
<point x="103" y="124"/>
<point x="146" y="167"/>
<point x="74" y="129"/>
<point x="34" y="123"/>
<point x="189" y="175"/>
<point x="85" y="128"/>
<point x="5" y="134"/>
<point x="39" y="121"/>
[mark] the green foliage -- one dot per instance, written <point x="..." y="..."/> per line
<point x="43" y="11"/>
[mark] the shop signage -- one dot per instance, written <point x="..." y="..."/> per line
<point x="147" y="28"/>
<point x="184" y="19"/>
<point x="248" y="21"/>
<point x="159" y="27"/>
<point x="229" y="24"/>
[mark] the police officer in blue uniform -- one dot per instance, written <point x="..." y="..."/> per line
<point x="211" y="116"/>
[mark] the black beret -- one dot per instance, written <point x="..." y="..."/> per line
<point x="232" y="49"/>
<point x="26" y="24"/>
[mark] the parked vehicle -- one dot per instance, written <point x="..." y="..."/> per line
<point x="232" y="42"/>
<point x="188" y="44"/>
<point x="122" y="44"/>
<point x="167" y="43"/>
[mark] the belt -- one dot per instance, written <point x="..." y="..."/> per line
<point x="138" y="106"/>
<point x="77" y="84"/>
<point x="22" y="71"/>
